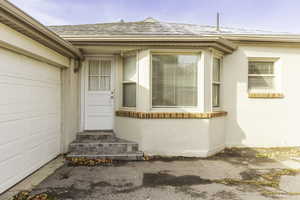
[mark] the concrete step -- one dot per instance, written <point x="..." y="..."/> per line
<point x="103" y="145"/>
<point x="129" y="156"/>
<point x="95" y="135"/>
<point x="116" y="146"/>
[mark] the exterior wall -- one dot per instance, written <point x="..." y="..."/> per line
<point x="30" y="116"/>
<point x="216" y="135"/>
<point x="173" y="137"/>
<point x="261" y="122"/>
<point x="70" y="106"/>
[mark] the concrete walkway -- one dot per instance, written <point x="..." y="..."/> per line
<point x="230" y="175"/>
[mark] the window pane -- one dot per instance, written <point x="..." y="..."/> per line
<point x="261" y="68"/>
<point x="105" y="68"/>
<point x="93" y="83"/>
<point x="129" y="94"/>
<point x="104" y="83"/>
<point x="216" y="70"/>
<point x="94" y="67"/>
<point x="174" y="80"/>
<point x="261" y="83"/>
<point x="216" y="95"/>
<point x="129" y="69"/>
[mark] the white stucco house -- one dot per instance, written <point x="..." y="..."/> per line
<point x="173" y="89"/>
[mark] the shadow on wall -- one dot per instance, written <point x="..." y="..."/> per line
<point x="235" y="77"/>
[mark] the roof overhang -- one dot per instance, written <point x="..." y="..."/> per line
<point x="216" y="42"/>
<point x="275" y="39"/>
<point x="15" y="18"/>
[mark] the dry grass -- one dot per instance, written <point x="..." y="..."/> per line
<point x="264" y="182"/>
<point x="88" y="161"/>
<point x="25" y="195"/>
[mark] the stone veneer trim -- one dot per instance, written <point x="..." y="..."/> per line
<point x="169" y="115"/>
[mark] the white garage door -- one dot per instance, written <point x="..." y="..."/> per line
<point x="30" y="106"/>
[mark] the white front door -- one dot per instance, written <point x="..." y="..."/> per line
<point x="99" y="102"/>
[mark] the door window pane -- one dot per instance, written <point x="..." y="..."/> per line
<point x="129" y="94"/>
<point x="174" y="80"/>
<point x="99" y="75"/>
<point x="94" y="83"/>
<point x="104" y="83"/>
<point x="93" y="67"/>
<point x="105" y="68"/>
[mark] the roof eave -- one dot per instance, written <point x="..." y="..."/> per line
<point x="219" y="41"/>
<point x="292" y="38"/>
<point x="17" y="19"/>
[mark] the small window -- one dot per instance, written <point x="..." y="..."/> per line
<point x="174" y="80"/>
<point x="216" y="82"/>
<point x="99" y="75"/>
<point x="129" y="81"/>
<point x="261" y="77"/>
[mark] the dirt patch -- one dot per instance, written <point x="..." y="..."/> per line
<point x="260" y="154"/>
<point x="156" y="180"/>
<point x="265" y="182"/>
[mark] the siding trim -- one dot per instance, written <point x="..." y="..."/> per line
<point x="29" y="54"/>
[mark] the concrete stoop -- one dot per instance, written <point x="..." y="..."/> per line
<point x="103" y="145"/>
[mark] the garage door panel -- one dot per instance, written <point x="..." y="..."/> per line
<point x="11" y="131"/>
<point x="10" y="169"/>
<point x="18" y="145"/>
<point x="11" y="150"/>
<point x="30" y="116"/>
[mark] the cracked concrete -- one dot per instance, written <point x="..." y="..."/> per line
<point x="180" y="179"/>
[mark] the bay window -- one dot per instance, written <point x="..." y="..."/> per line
<point x="129" y="81"/>
<point x="216" y="82"/>
<point x="174" y="80"/>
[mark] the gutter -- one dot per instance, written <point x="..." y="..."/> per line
<point x="13" y="16"/>
<point x="263" y="38"/>
<point x="150" y="40"/>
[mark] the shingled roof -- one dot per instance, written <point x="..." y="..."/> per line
<point x="148" y="27"/>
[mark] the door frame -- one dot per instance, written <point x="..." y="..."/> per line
<point x="84" y="87"/>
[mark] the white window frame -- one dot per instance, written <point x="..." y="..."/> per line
<point x="128" y="82"/>
<point x="275" y="74"/>
<point x="198" y="107"/>
<point x="220" y="83"/>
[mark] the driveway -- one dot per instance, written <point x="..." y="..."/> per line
<point x="234" y="174"/>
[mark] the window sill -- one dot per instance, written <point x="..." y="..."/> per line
<point x="169" y="115"/>
<point x="217" y="109"/>
<point x="133" y="109"/>
<point x="266" y="95"/>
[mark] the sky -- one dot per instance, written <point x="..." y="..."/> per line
<point x="270" y="15"/>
